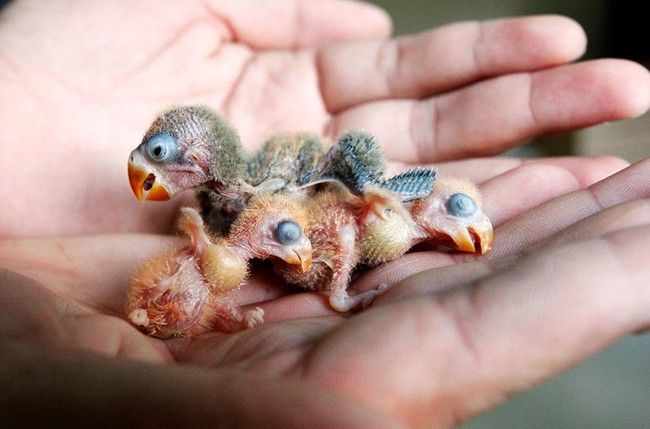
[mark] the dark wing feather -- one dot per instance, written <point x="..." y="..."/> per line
<point x="412" y="184"/>
<point x="355" y="161"/>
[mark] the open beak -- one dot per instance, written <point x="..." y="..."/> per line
<point x="143" y="180"/>
<point x="475" y="238"/>
<point x="300" y="254"/>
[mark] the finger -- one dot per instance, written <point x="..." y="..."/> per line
<point x="297" y="306"/>
<point x="535" y="219"/>
<point x="92" y="270"/>
<point x="517" y="191"/>
<point x="97" y="271"/>
<point x="216" y="348"/>
<point x="524" y="325"/>
<point x="269" y="24"/>
<point x="445" y="58"/>
<point x="261" y="286"/>
<point x="587" y="170"/>
<point x="615" y="219"/>
<point x="496" y="114"/>
<point x="627" y="215"/>
<point x="519" y="234"/>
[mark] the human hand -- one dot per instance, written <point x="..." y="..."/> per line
<point x="79" y="83"/>
<point x="438" y="347"/>
<point x="93" y="111"/>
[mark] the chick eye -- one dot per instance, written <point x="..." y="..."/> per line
<point x="461" y="205"/>
<point x="161" y="147"/>
<point x="287" y="232"/>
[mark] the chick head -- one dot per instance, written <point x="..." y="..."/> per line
<point x="274" y="226"/>
<point x="452" y="213"/>
<point x="184" y="147"/>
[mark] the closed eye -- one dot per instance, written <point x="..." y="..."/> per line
<point x="461" y="205"/>
<point x="287" y="232"/>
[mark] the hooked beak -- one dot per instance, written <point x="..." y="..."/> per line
<point x="475" y="238"/>
<point x="300" y="254"/>
<point x="144" y="183"/>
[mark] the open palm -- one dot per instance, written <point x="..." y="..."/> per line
<point x="77" y="93"/>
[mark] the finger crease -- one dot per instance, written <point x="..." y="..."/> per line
<point x="331" y="128"/>
<point x="228" y="99"/>
<point x="231" y="33"/>
<point x="479" y="36"/>
<point x="596" y="199"/>
<point x="388" y="57"/>
<point x="530" y="82"/>
<point x="425" y="142"/>
<point x="319" y="64"/>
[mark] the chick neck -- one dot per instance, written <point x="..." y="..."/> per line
<point x="228" y="162"/>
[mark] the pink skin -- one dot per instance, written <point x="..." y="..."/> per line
<point x="65" y="319"/>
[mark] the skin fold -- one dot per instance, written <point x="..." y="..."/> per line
<point x="453" y="336"/>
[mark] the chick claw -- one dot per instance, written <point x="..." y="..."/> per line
<point x="254" y="317"/>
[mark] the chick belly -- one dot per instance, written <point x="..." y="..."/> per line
<point x="383" y="242"/>
<point x="180" y="315"/>
<point x="170" y="298"/>
<point x="223" y="269"/>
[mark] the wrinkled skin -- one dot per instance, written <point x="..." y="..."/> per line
<point x="454" y="336"/>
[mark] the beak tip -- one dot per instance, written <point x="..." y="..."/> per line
<point x="474" y="239"/>
<point x="486" y="241"/>
<point x="306" y="265"/>
<point x="299" y="258"/>
<point x="484" y="237"/>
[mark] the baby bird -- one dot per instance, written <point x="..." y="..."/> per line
<point x="185" y="293"/>
<point x="192" y="147"/>
<point x="333" y="231"/>
<point x="184" y="148"/>
<point x="273" y="227"/>
<point x="450" y="216"/>
<point x="354" y="217"/>
<point x="169" y="294"/>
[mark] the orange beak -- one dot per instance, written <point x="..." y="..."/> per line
<point x="144" y="183"/>
<point x="300" y="254"/>
<point x="481" y="234"/>
<point x="485" y="238"/>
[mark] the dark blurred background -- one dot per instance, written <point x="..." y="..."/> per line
<point x="614" y="28"/>
<point x="611" y="390"/>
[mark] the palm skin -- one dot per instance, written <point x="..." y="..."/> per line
<point x="419" y="355"/>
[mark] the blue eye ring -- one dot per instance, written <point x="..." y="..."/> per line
<point x="461" y="205"/>
<point x="287" y="232"/>
<point x="161" y="147"/>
